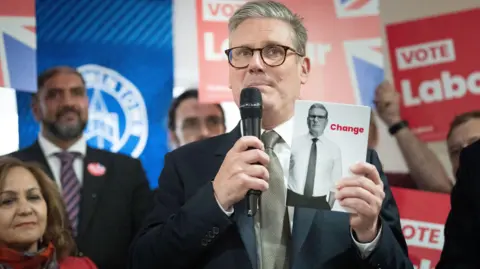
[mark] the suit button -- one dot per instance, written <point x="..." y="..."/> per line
<point x="204" y="242"/>
<point x="216" y="230"/>
<point x="210" y="234"/>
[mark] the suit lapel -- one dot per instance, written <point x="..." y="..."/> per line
<point x="92" y="188"/>
<point x="302" y="223"/>
<point x="35" y="153"/>
<point x="245" y="224"/>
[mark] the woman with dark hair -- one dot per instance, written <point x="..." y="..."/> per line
<point x="34" y="229"/>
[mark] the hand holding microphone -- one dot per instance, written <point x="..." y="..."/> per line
<point x="243" y="171"/>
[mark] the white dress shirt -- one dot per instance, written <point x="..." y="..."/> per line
<point x="283" y="151"/>
<point x="49" y="150"/>
<point x="328" y="169"/>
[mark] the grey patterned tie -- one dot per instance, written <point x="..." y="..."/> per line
<point x="71" y="187"/>
<point x="274" y="224"/>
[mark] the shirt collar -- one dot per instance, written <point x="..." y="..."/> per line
<point x="320" y="137"/>
<point x="50" y="149"/>
<point x="284" y="130"/>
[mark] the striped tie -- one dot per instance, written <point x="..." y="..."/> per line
<point x="70" y="187"/>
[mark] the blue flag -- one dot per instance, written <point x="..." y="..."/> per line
<point x="124" y="51"/>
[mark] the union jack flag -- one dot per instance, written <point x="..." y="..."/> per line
<point x="356" y="8"/>
<point x="18" y="44"/>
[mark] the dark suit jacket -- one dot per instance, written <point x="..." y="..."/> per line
<point x="188" y="229"/>
<point x="462" y="237"/>
<point x="112" y="207"/>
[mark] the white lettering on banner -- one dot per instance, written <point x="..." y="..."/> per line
<point x="211" y="53"/>
<point x="425" y="54"/>
<point x="424" y="264"/>
<point x="318" y="52"/>
<point x="447" y="88"/>
<point x="423" y="234"/>
<point x="219" y="10"/>
<point x="104" y="127"/>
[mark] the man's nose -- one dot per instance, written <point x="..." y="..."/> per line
<point x="68" y="99"/>
<point x="204" y="131"/>
<point x="256" y="63"/>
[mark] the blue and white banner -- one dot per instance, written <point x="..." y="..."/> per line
<point x="124" y="51"/>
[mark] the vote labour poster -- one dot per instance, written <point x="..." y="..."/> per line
<point x="436" y="70"/>
<point x="343" y="47"/>
<point x="423" y="215"/>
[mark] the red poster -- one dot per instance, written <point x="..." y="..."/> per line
<point x="344" y="48"/>
<point x="423" y="216"/>
<point x="436" y="70"/>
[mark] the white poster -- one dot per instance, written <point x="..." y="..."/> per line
<point x="328" y="139"/>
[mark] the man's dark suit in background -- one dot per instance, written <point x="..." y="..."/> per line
<point x="112" y="205"/>
<point x="462" y="236"/>
<point x="188" y="229"/>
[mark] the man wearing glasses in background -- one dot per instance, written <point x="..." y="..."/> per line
<point x="190" y="121"/>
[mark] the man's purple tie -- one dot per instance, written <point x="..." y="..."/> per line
<point x="70" y="187"/>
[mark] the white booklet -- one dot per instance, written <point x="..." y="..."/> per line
<point x="328" y="138"/>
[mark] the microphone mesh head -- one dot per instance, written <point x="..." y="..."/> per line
<point x="251" y="103"/>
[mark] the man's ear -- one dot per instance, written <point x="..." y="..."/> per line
<point x="35" y="106"/>
<point x="172" y="139"/>
<point x="305" y="70"/>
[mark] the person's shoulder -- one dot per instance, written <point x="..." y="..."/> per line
<point x="205" y="145"/>
<point x="77" y="263"/>
<point x="469" y="170"/>
<point x="470" y="154"/>
<point x="116" y="156"/>
<point x="21" y="153"/>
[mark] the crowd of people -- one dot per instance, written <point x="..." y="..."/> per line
<point x="64" y="204"/>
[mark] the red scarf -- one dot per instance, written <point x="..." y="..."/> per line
<point x="22" y="260"/>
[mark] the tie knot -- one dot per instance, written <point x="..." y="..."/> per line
<point x="315" y="139"/>
<point x="67" y="157"/>
<point x="270" y="138"/>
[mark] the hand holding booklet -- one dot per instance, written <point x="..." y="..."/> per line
<point x="328" y="139"/>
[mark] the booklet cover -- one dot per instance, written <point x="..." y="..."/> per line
<point x="328" y="138"/>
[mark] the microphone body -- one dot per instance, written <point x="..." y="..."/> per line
<point x="251" y="112"/>
<point x="252" y="127"/>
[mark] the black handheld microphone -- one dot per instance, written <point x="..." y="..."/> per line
<point x="251" y="113"/>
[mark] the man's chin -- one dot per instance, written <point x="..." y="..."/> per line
<point x="66" y="132"/>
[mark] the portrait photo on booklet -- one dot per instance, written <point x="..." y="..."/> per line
<point x="328" y="138"/>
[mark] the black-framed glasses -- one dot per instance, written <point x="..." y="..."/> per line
<point x="317" y="117"/>
<point x="272" y="55"/>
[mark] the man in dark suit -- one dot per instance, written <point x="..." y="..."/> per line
<point x="200" y="218"/>
<point x="106" y="194"/>
<point x="460" y="249"/>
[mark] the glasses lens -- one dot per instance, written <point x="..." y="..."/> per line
<point x="240" y="57"/>
<point x="273" y="55"/>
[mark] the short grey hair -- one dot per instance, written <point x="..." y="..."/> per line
<point x="273" y="10"/>
<point x="319" y="106"/>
